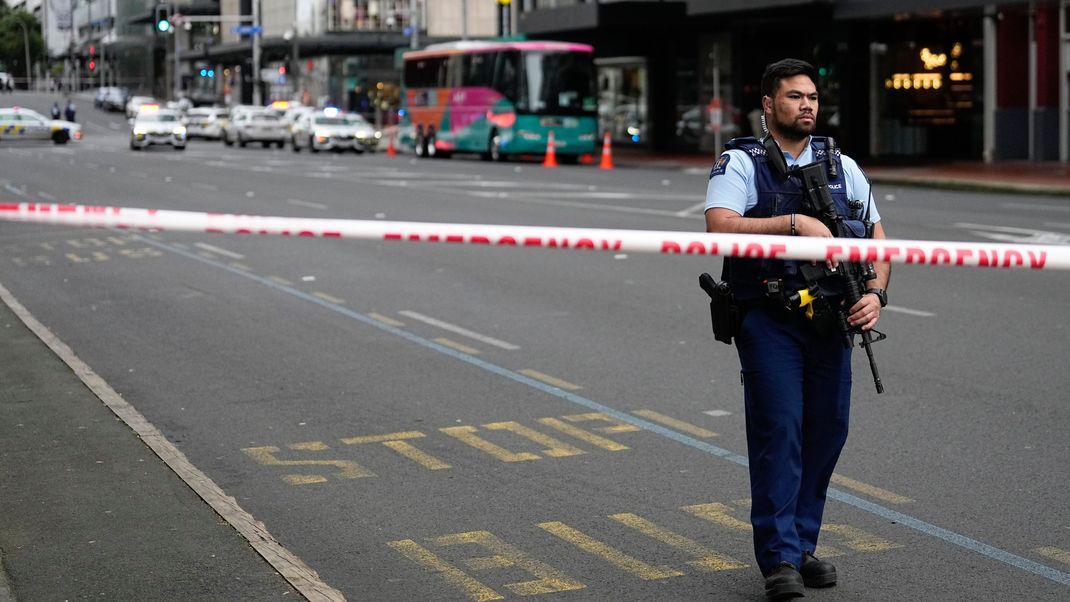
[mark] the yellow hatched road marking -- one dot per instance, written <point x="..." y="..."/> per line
<point x="1054" y="553"/>
<point x="329" y="298"/>
<point x="466" y="434"/>
<point x="453" y="575"/>
<point x="870" y="490"/>
<point x="550" y="380"/>
<point x="548" y="579"/>
<point x="610" y="554"/>
<point x="382" y="438"/>
<point x="617" y="425"/>
<point x="706" y="558"/>
<point x="583" y="435"/>
<point x="556" y="448"/>
<point x="859" y="540"/>
<point x="385" y="319"/>
<point x="679" y="425"/>
<point x="458" y="346"/>
<point x="719" y="514"/>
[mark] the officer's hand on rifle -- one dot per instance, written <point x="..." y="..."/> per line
<point x="811" y="226"/>
<point x="866" y="312"/>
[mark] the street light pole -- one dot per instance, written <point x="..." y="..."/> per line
<point x="26" y="43"/>
<point x="256" y="54"/>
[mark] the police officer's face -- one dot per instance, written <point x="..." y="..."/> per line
<point x="792" y="111"/>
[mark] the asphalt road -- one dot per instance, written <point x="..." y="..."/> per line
<point x="428" y="422"/>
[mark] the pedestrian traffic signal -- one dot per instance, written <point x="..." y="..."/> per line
<point x="92" y="65"/>
<point x="163" y="20"/>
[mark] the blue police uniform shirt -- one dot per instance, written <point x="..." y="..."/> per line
<point x="732" y="183"/>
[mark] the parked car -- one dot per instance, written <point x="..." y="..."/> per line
<point x="17" y="123"/>
<point x="133" y="106"/>
<point x="329" y="129"/>
<point x="205" y="122"/>
<point x="115" y="99"/>
<point x="254" y="125"/>
<point x="154" y="125"/>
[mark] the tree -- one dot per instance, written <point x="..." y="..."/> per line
<point x="12" y="40"/>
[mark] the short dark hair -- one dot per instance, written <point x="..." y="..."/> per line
<point x="784" y="69"/>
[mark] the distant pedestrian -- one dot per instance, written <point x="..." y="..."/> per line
<point x="55" y="110"/>
<point x="68" y="113"/>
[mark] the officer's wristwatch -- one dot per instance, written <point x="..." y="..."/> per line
<point x="881" y="294"/>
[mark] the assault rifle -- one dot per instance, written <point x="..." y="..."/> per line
<point x="853" y="276"/>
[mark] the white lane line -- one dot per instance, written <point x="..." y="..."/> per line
<point x="290" y="566"/>
<point x="575" y="204"/>
<point x="459" y="330"/>
<point x="910" y="312"/>
<point x="218" y="251"/>
<point x="46" y="196"/>
<point x="1016" y="235"/>
<point x="1037" y="206"/>
<point x="308" y="204"/>
<point x="690" y="210"/>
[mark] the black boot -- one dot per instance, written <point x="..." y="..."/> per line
<point x="784" y="582"/>
<point x="817" y="573"/>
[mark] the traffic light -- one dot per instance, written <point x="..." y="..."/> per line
<point x="92" y="63"/>
<point x="163" y="18"/>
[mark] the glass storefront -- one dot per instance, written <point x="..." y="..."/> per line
<point x="622" y="99"/>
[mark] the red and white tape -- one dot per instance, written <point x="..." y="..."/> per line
<point x="978" y="254"/>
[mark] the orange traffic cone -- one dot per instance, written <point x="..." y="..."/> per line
<point x="551" y="155"/>
<point x="607" y="153"/>
<point x="390" y="150"/>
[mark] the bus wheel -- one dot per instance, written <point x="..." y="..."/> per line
<point x="420" y="147"/>
<point x="495" y="152"/>
<point x="429" y="145"/>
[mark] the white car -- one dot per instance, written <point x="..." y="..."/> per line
<point x="365" y="132"/>
<point x="133" y="106"/>
<point x="205" y="122"/>
<point x="258" y="125"/>
<point x="328" y="130"/>
<point x="17" y="123"/>
<point x="154" y="125"/>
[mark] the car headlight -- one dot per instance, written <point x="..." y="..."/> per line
<point x="378" y="135"/>
<point x="179" y="131"/>
<point x="140" y="131"/>
<point x="323" y="134"/>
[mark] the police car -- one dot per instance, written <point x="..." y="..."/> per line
<point x="17" y="123"/>
<point x="154" y="125"/>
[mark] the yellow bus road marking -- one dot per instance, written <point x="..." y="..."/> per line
<point x="278" y="280"/>
<point x="453" y="575"/>
<point x="76" y="258"/>
<point x="706" y="558"/>
<point x="466" y="434"/>
<point x="555" y="447"/>
<point x="548" y="579"/>
<point x="550" y="380"/>
<point x="719" y="515"/>
<point x="385" y="319"/>
<point x="458" y="346"/>
<point x="140" y="253"/>
<point x="679" y="425"/>
<point x="1054" y="553"/>
<point x="617" y="426"/>
<point x="870" y="490"/>
<point x="329" y="298"/>
<point x="608" y="553"/>
<point x="583" y="435"/>
<point x="347" y="469"/>
<point x="398" y="443"/>
<point x="859" y="540"/>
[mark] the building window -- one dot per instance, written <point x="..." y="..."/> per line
<point x="370" y="15"/>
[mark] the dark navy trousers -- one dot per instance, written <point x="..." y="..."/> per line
<point x="797" y="393"/>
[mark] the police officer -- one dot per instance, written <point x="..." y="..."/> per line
<point x="796" y="380"/>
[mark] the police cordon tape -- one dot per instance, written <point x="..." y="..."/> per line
<point x="975" y="254"/>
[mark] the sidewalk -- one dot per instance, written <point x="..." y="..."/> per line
<point x="1026" y="177"/>
<point x="89" y="511"/>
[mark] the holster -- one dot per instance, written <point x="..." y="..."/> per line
<point x="725" y="314"/>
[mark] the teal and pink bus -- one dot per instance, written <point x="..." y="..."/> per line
<point x="499" y="99"/>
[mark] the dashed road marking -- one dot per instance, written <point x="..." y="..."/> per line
<point x="550" y="380"/>
<point x="329" y="298"/>
<point x="218" y="251"/>
<point x="870" y="490"/>
<point x="458" y="346"/>
<point x="310" y="205"/>
<point x="385" y="319"/>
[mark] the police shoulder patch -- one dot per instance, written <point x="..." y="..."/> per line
<point x="720" y="166"/>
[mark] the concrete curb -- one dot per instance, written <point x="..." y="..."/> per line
<point x="969" y="185"/>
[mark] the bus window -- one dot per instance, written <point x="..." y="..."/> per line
<point x="505" y="80"/>
<point x="558" y="83"/>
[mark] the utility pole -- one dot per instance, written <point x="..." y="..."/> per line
<point x="464" y="19"/>
<point x="414" y="23"/>
<point x="26" y="43"/>
<point x="256" y="53"/>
